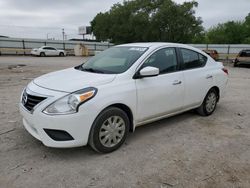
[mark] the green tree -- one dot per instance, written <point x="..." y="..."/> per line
<point x="246" y="30"/>
<point x="176" y="23"/>
<point x="148" y="20"/>
<point x="227" y="33"/>
<point x="232" y="32"/>
<point x="100" y="26"/>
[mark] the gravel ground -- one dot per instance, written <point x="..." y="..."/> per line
<point x="183" y="151"/>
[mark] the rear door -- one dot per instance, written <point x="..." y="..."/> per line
<point x="197" y="77"/>
<point x="53" y="51"/>
<point x="162" y="94"/>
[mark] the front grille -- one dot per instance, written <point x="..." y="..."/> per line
<point x="30" y="101"/>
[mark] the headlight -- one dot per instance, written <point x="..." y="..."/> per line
<point x="70" y="103"/>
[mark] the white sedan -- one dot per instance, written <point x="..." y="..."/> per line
<point x="47" y="51"/>
<point x="100" y="101"/>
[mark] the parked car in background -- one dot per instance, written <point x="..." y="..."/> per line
<point x="47" y="51"/>
<point x="242" y="58"/>
<point x="213" y="53"/>
<point x="100" y="101"/>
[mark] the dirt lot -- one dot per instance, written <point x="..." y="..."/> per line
<point x="183" y="151"/>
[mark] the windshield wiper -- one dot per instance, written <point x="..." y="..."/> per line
<point x="92" y="70"/>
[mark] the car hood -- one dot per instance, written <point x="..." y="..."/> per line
<point x="70" y="80"/>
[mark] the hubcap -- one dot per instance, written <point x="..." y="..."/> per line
<point x="112" y="131"/>
<point x="211" y="102"/>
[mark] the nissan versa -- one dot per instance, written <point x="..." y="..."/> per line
<point x="100" y="101"/>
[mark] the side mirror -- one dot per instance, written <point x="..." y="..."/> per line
<point x="148" y="72"/>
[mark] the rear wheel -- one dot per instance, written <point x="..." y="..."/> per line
<point x="209" y="104"/>
<point x="109" y="130"/>
<point x="42" y="54"/>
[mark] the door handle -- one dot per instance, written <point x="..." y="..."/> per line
<point x="177" y="82"/>
<point x="209" y="76"/>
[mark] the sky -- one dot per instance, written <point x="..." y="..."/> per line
<point x="46" y="18"/>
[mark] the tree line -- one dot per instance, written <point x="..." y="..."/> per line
<point x="165" y="21"/>
<point x="232" y="32"/>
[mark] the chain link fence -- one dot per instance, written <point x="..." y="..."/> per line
<point x="18" y="46"/>
<point x="23" y="46"/>
<point x="226" y="51"/>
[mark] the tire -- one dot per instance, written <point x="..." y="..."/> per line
<point x="104" y="133"/>
<point x="61" y="54"/>
<point x="209" y="104"/>
<point x="236" y="61"/>
<point x="42" y="54"/>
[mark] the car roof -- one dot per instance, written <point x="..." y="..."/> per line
<point x="154" y="44"/>
<point x="47" y="46"/>
<point x="245" y="51"/>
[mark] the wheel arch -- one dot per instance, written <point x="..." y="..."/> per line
<point x="217" y="89"/>
<point x="128" y="111"/>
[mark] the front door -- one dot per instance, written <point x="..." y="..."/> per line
<point x="162" y="94"/>
<point x="53" y="51"/>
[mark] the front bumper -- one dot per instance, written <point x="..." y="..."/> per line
<point x="77" y="125"/>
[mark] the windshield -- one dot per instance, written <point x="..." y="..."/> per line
<point x="113" y="60"/>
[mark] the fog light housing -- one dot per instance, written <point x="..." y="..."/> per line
<point x="58" y="135"/>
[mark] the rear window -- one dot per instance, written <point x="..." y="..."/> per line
<point x="192" y="59"/>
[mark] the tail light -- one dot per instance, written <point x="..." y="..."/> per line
<point x="225" y="70"/>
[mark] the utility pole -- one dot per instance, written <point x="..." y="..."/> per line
<point x="63" y="33"/>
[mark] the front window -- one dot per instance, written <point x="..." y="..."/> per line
<point x="164" y="59"/>
<point x="114" y="60"/>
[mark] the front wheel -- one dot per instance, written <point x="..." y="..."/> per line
<point x="209" y="104"/>
<point x="109" y="130"/>
<point x="61" y="54"/>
